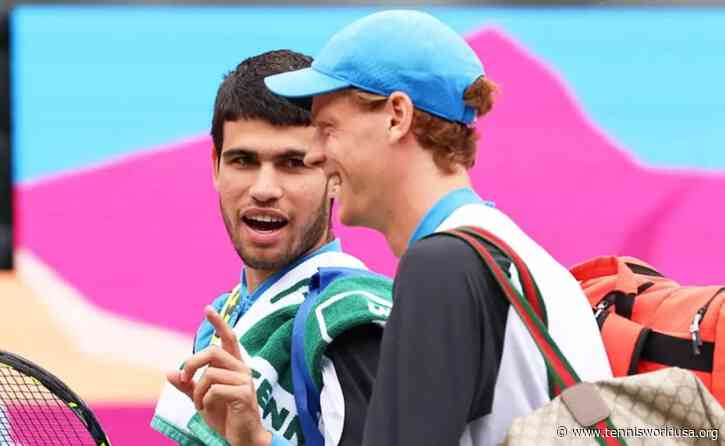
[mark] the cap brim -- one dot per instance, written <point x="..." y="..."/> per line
<point x="303" y="83"/>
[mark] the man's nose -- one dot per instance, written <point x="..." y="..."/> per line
<point x="266" y="186"/>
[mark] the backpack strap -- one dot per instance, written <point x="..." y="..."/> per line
<point x="528" y="309"/>
<point x="306" y="392"/>
<point x="307" y="395"/>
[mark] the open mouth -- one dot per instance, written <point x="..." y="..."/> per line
<point x="265" y="223"/>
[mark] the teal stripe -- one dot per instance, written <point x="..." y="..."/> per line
<point x="207" y="435"/>
<point x="165" y="427"/>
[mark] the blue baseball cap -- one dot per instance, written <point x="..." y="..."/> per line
<point x="390" y="51"/>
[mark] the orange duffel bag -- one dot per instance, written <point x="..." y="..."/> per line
<point x="649" y="322"/>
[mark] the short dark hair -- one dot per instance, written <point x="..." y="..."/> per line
<point x="243" y="95"/>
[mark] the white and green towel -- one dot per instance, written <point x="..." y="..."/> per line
<point x="265" y="333"/>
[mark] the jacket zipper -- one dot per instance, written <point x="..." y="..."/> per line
<point x="696" y="320"/>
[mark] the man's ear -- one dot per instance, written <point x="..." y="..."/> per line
<point x="215" y="168"/>
<point x="401" y="111"/>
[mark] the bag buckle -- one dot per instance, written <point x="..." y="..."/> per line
<point x="695" y="333"/>
<point x="601" y="308"/>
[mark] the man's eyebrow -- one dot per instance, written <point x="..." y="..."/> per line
<point x="324" y="121"/>
<point x="283" y="154"/>
<point x="239" y="151"/>
<point x="291" y="153"/>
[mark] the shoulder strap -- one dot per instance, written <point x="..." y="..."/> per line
<point x="529" y="308"/>
<point x="528" y="285"/>
<point x="307" y="395"/>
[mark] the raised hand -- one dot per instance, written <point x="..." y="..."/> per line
<point x="224" y="395"/>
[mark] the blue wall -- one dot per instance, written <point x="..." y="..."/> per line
<point x="92" y="83"/>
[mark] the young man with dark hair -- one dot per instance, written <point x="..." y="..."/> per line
<point x="396" y="95"/>
<point x="237" y="388"/>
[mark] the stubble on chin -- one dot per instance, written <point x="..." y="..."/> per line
<point x="303" y="240"/>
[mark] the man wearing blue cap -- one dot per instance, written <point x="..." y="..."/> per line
<point x="395" y="96"/>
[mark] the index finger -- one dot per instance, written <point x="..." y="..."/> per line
<point x="224" y="331"/>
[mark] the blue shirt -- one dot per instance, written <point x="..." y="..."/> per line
<point x="443" y="209"/>
<point x="206" y="331"/>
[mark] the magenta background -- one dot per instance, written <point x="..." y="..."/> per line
<point x="142" y="236"/>
<point x="129" y="425"/>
